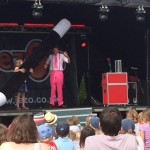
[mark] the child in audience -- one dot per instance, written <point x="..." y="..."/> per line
<point x="45" y="134"/>
<point x="39" y="118"/>
<point x="3" y="133"/>
<point x="87" y="122"/>
<point x="133" y="115"/>
<point x="51" y="120"/>
<point x="74" y="135"/>
<point x="145" y="128"/>
<point x="140" y="118"/>
<point x="74" y="120"/>
<point x="95" y="124"/>
<point x="140" y="121"/>
<point x="85" y="132"/>
<point x="63" y="142"/>
<point x="128" y="126"/>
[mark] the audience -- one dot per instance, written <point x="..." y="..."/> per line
<point x="145" y="128"/>
<point x="133" y="115"/>
<point x="95" y="124"/>
<point x="74" y="135"/>
<point x="87" y="121"/>
<point x="128" y="126"/>
<point x="109" y="132"/>
<point x="23" y="135"/>
<point x="51" y="120"/>
<point x="110" y="121"/>
<point x="39" y="119"/>
<point x="63" y="142"/>
<point x="3" y="133"/>
<point x="45" y="134"/>
<point x="74" y="120"/>
<point x="85" y="132"/>
<point x="140" y="118"/>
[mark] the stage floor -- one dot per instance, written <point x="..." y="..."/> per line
<point x="7" y="114"/>
<point x="95" y="109"/>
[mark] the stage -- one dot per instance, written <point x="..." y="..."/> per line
<point x="7" y="114"/>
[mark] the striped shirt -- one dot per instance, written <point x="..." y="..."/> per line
<point x="60" y="57"/>
<point x="146" y="129"/>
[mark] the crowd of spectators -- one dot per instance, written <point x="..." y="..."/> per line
<point x="109" y="131"/>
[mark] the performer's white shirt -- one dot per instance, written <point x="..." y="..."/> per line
<point x="60" y="58"/>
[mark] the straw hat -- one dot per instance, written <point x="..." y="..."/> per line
<point x="50" y="118"/>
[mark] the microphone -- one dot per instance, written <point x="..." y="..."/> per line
<point x="133" y="68"/>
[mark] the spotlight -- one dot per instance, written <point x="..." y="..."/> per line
<point x="104" y="10"/>
<point x="140" y="11"/>
<point x="37" y="13"/>
<point x="83" y="37"/>
<point x="37" y="6"/>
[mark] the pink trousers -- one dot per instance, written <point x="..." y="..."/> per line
<point x="56" y="83"/>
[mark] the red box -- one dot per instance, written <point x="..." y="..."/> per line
<point x="115" y="88"/>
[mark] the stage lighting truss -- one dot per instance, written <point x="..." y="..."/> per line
<point x="104" y="10"/>
<point x="37" y="9"/>
<point x="37" y="4"/>
<point x="140" y="11"/>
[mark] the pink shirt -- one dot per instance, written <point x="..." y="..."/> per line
<point x="146" y="129"/>
<point x="60" y="58"/>
<point x="104" y="142"/>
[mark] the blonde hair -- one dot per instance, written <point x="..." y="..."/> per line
<point x="76" y="119"/>
<point x="87" y="123"/>
<point x="140" y="117"/>
<point x="146" y="114"/>
<point x="132" y="114"/>
<point x="97" y="131"/>
<point x="74" y="135"/>
<point x="71" y="121"/>
<point x="3" y="133"/>
<point x="18" y="62"/>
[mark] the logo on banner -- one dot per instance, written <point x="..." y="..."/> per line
<point x="8" y="57"/>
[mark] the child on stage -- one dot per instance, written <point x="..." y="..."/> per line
<point x="23" y="88"/>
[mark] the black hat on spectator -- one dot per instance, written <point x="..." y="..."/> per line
<point x="62" y="129"/>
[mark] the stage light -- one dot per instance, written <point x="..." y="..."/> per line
<point x="83" y="44"/>
<point x="37" y="13"/>
<point x="37" y="9"/>
<point x="140" y="11"/>
<point x="104" y="10"/>
<point x="83" y="36"/>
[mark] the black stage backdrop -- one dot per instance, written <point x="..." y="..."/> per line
<point x="15" y="46"/>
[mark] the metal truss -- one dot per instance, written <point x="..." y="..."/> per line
<point x="40" y="29"/>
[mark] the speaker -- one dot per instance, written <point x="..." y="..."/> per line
<point x="132" y="93"/>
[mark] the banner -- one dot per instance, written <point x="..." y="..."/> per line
<point x="20" y="46"/>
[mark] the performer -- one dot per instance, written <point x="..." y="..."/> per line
<point x="33" y="60"/>
<point x="23" y="88"/>
<point x="55" y="61"/>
